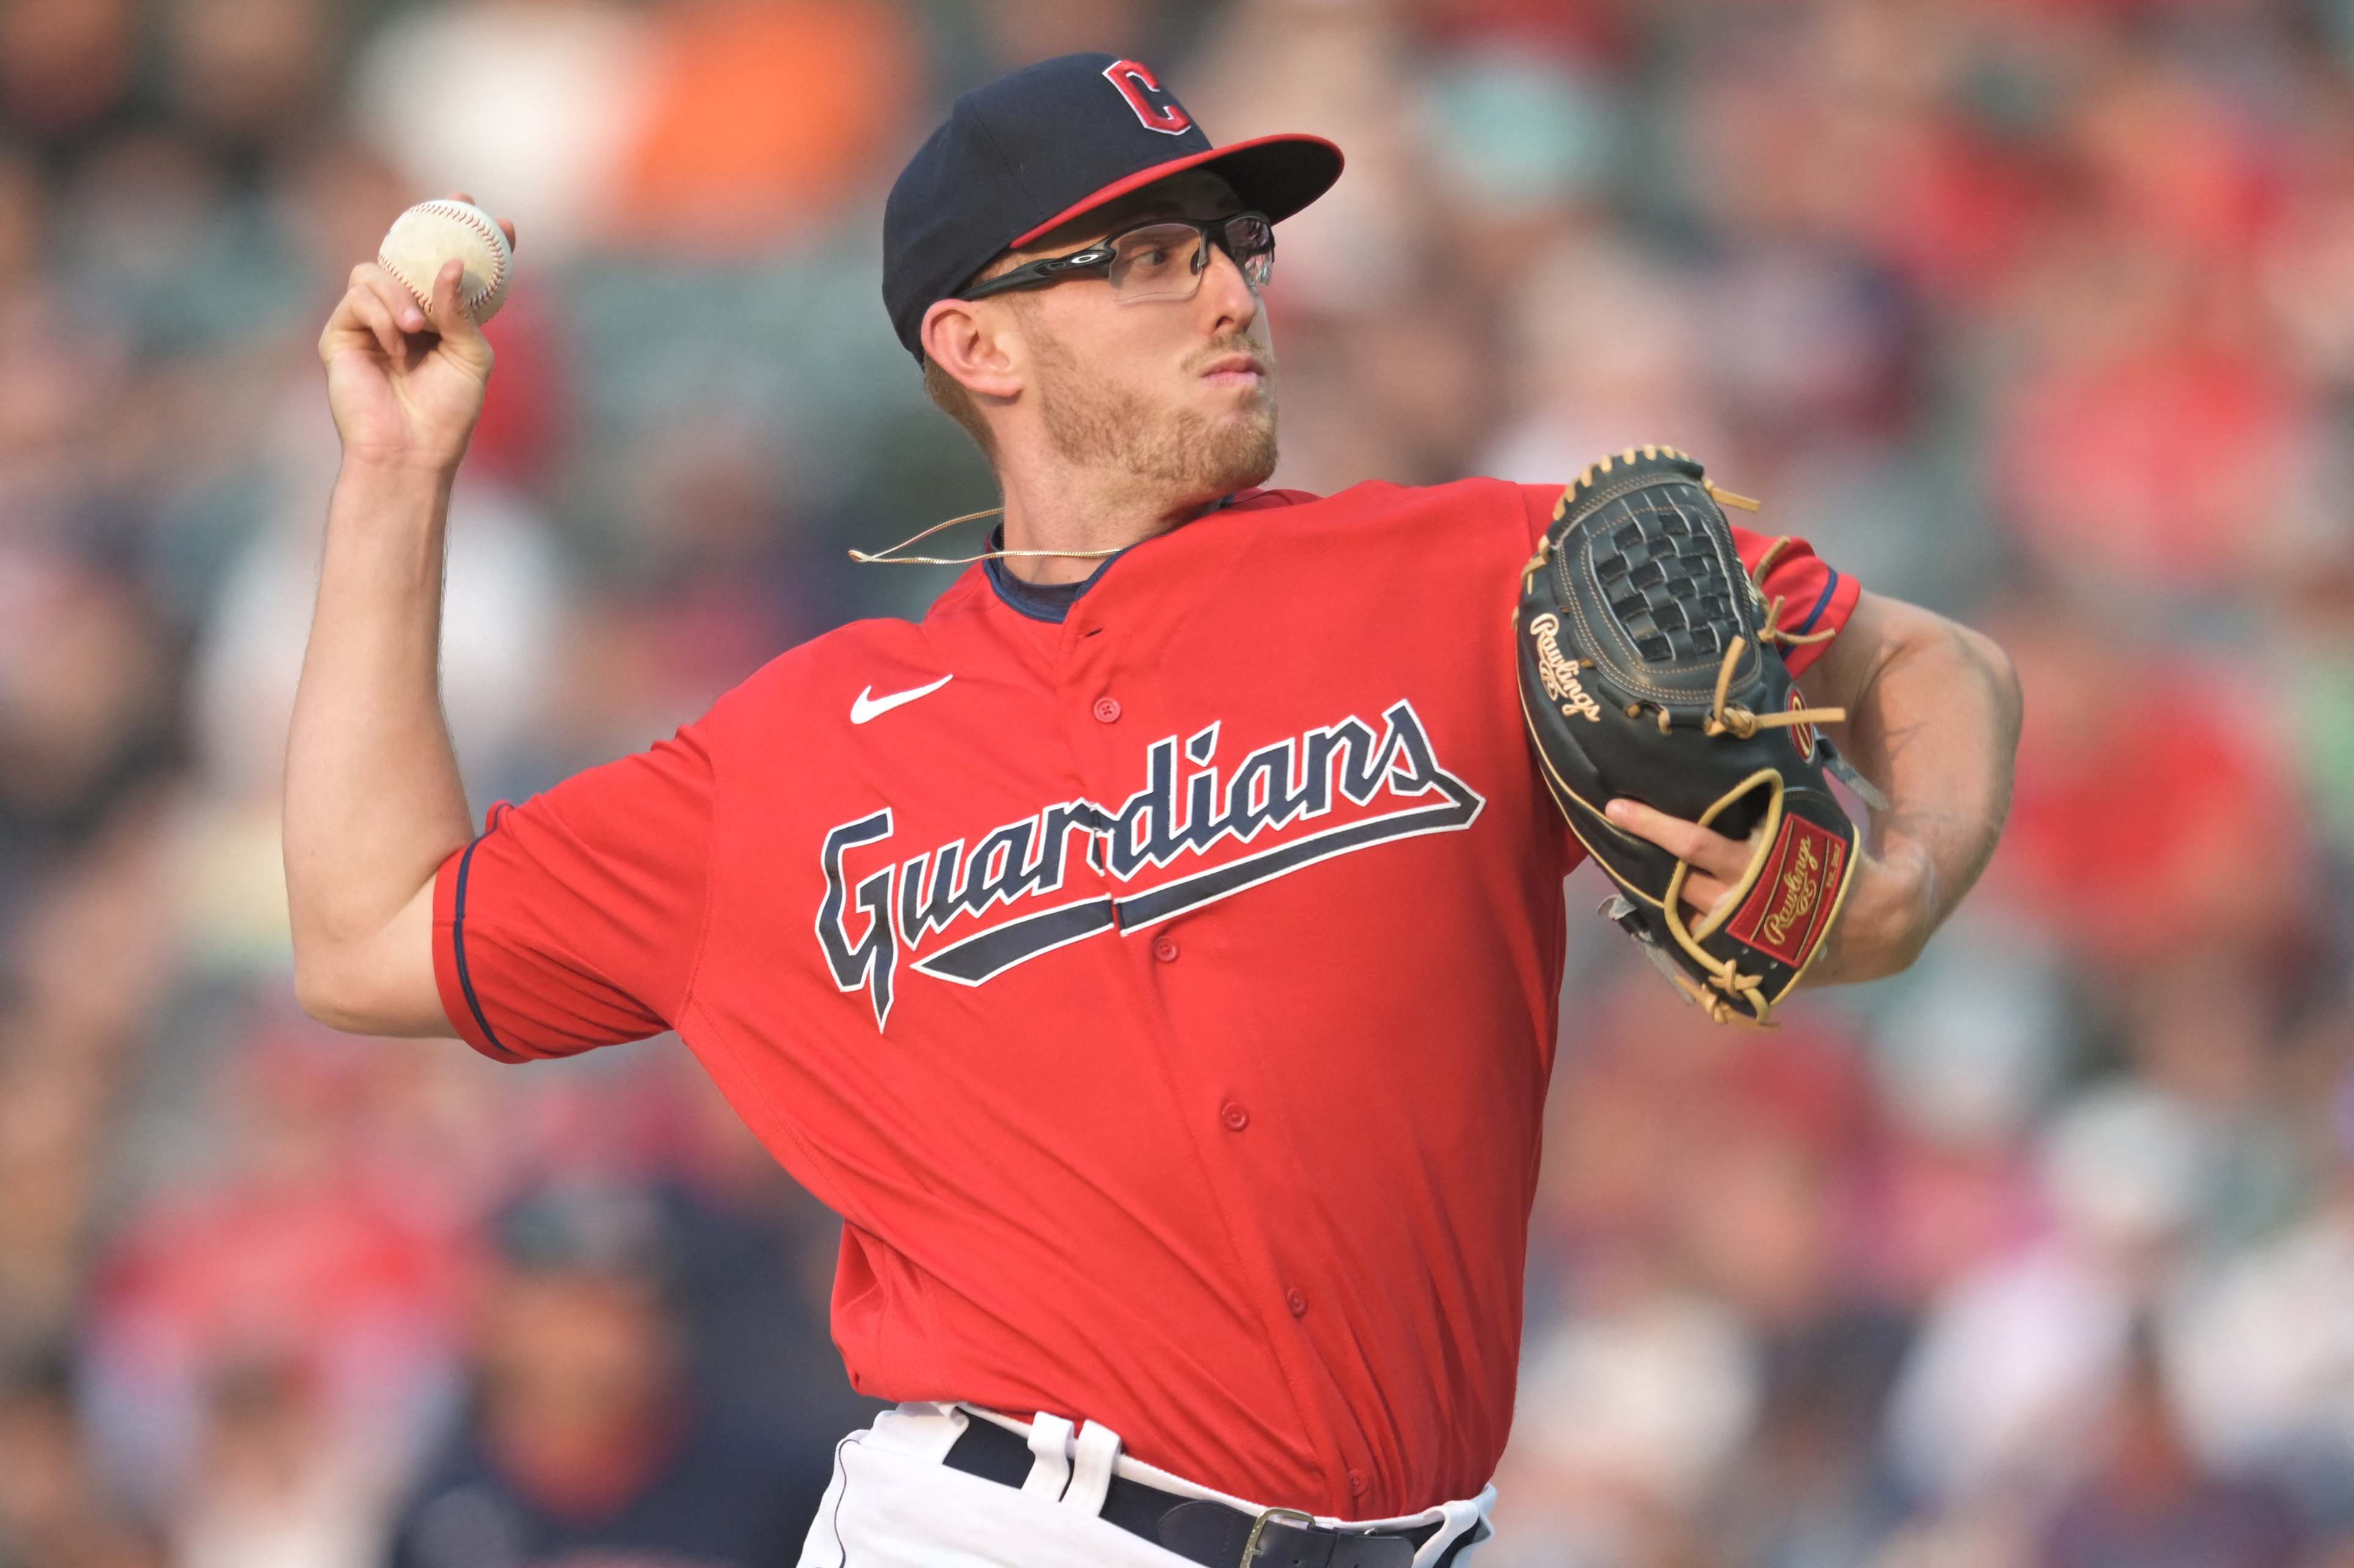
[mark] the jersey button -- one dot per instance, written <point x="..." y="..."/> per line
<point x="1108" y="710"/>
<point x="1358" y="1483"/>
<point x="1165" y="950"/>
<point x="1232" y="1113"/>
<point x="1297" y="1302"/>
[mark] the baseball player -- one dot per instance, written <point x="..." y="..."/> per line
<point x="1153" y="954"/>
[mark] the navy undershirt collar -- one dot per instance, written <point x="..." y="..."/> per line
<point x="1051" y="601"/>
<point x="1039" y="601"/>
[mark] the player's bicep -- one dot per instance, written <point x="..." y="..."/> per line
<point x="1881" y="634"/>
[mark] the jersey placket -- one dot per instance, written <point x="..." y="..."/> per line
<point x="1115" y="707"/>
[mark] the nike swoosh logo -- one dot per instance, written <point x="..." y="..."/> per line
<point x="868" y="707"/>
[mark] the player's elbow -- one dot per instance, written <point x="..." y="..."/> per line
<point x="365" y="971"/>
<point x="368" y="988"/>
<point x="1889" y="954"/>
<point x="327" y="987"/>
<point x="2001" y="678"/>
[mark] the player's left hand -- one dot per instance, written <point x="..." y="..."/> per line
<point x="1892" y="895"/>
<point x="1717" y="862"/>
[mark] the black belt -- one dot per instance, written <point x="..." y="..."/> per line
<point x="1210" y="1533"/>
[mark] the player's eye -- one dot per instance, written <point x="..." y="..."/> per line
<point x="1155" y="261"/>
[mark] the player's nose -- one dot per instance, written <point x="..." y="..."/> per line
<point x="1234" y="305"/>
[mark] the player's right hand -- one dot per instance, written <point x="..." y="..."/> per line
<point x="405" y="380"/>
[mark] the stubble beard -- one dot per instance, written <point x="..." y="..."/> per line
<point x="1096" y="424"/>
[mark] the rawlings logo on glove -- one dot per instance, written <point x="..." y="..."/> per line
<point x="1648" y="670"/>
<point x="1559" y="675"/>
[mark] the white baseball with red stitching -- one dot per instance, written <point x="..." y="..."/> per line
<point x="431" y="234"/>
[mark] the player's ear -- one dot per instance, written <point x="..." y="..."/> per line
<point x="976" y="346"/>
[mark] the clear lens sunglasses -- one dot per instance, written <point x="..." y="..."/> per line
<point x="1162" y="260"/>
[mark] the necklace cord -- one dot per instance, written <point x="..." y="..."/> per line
<point x="891" y="557"/>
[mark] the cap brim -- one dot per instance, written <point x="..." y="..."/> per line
<point x="1274" y="175"/>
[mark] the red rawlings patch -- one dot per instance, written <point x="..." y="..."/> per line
<point x="1791" y="904"/>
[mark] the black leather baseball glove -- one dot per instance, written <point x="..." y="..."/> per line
<point x="1648" y="670"/>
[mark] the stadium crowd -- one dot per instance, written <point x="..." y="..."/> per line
<point x="2038" y="311"/>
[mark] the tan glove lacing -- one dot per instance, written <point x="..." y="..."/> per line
<point x="1733" y="719"/>
<point x="1727" y="984"/>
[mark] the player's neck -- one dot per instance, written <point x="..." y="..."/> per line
<point x="1061" y="506"/>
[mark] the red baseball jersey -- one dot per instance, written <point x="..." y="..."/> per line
<point x="1164" y="997"/>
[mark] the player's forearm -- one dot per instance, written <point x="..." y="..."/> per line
<point x="374" y="803"/>
<point x="1933" y="720"/>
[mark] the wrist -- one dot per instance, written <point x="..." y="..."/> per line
<point x="400" y="506"/>
<point x="398" y="468"/>
<point x="394" y="486"/>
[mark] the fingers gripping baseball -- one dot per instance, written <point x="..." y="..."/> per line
<point x="405" y="378"/>
<point x="1718" y="863"/>
<point x="371" y="313"/>
<point x="446" y="308"/>
<point x="405" y="367"/>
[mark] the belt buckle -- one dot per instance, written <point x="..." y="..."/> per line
<point x="1251" y="1548"/>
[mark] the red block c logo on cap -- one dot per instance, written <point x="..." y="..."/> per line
<point x="1135" y="82"/>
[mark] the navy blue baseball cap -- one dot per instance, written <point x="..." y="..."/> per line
<point x="1033" y="150"/>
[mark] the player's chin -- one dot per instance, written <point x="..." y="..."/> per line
<point x="1242" y="451"/>
<point x="1240" y="407"/>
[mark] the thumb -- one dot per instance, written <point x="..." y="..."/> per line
<point x="446" y="308"/>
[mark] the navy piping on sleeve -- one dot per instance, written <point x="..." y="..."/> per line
<point x="458" y="948"/>
<point x="1830" y="587"/>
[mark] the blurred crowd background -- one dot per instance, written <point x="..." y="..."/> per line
<point x="2038" y="311"/>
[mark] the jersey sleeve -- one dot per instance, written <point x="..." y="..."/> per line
<point x="1815" y="596"/>
<point x="574" y="921"/>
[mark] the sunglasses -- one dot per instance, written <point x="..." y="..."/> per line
<point x="1162" y="260"/>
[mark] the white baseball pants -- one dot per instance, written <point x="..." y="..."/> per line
<point x="893" y="1504"/>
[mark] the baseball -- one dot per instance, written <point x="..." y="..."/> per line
<point x="432" y="233"/>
